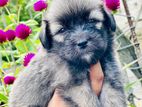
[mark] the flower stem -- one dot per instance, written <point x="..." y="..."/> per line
<point x="4" y="87"/>
<point x="33" y="44"/>
<point x="2" y="81"/>
<point x="12" y="56"/>
<point x="3" y="18"/>
<point x="19" y="10"/>
<point x="9" y="15"/>
<point x="1" y="69"/>
<point x="25" y="46"/>
<point x="6" y="54"/>
<point x="7" y="10"/>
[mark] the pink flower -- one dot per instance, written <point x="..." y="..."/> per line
<point x="3" y="2"/>
<point x="10" y="35"/>
<point x="112" y="4"/>
<point x="9" y="80"/>
<point x="40" y="5"/>
<point x="23" y="31"/>
<point x="28" y="58"/>
<point x="2" y="36"/>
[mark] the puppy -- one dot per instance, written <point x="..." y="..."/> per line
<point x="75" y="35"/>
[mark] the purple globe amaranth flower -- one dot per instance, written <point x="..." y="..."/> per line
<point x="28" y="58"/>
<point x="40" y="5"/>
<point x="10" y="35"/>
<point x="112" y="4"/>
<point x="2" y="36"/>
<point x="9" y="80"/>
<point x="3" y="3"/>
<point x="23" y="31"/>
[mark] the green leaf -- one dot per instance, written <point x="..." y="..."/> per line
<point x="18" y="70"/>
<point x="21" y="46"/>
<point x="12" y="17"/>
<point x="10" y="26"/>
<point x="30" y="22"/>
<point x="37" y="15"/>
<point x="130" y="85"/>
<point x="30" y="4"/>
<point x="30" y="45"/>
<point x="6" y="65"/>
<point x="4" y="52"/>
<point x="3" y="98"/>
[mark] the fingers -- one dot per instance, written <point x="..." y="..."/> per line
<point x="56" y="100"/>
<point x="96" y="77"/>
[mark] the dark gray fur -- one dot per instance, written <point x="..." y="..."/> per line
<point x="75" y="34"/>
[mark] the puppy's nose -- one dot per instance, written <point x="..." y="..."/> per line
<point x="83" y="44"/>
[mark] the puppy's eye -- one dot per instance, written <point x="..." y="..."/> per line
<point x="62" y="30"/>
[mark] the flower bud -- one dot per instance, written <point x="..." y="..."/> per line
<point x="2" y="36"/>
<point x="28" y="58"/>
<point x="112" y="4"/>
<point x="23" y="31"/>
<point x="9" y="80"/>
<point x="10" y="35"/>
<point x="40" y="5"/>
<point x="3" y="3"/>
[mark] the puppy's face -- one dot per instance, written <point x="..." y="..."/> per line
<point x="77" y="30"/>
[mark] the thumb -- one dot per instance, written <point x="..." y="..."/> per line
<point x="96" y="77"/>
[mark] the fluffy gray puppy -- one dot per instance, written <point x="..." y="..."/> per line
<point x="75" y="34"/>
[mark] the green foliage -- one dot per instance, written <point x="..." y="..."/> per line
<point x="12" y="53"/>
<point x="3" y="98"/>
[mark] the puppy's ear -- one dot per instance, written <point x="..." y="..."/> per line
<point x="109" y="21"/>
<point x="45" y="35"/>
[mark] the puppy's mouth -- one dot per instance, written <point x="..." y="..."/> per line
<point x="85" y="52"/>
<point x="89" y="55"/>
<point x="82" y="54"/>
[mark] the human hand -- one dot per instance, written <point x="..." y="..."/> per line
<point x="56" y="100"/>
<point x="96" y="77"/>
